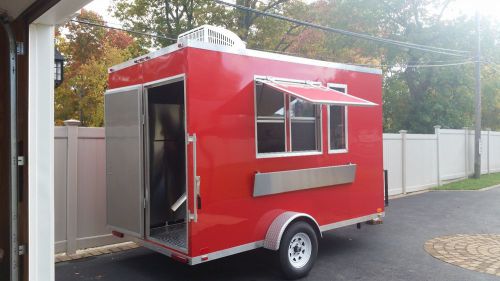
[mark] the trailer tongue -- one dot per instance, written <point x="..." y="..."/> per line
<point x="213" y="149"/>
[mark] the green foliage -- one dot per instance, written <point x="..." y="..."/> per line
<point x="89" y="51"/>
<point x="415" y="98"/>
<point x="167" y="18"/>
<point x="472" y="184"/>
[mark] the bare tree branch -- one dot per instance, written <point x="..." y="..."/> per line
<point x="285" y="36"/>
<point x="446" y="3"/>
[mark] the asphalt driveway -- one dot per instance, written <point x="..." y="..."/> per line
<point x="392" y="251"/>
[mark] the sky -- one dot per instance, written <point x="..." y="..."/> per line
<point x="101" y="7"/>
<point x="488" y="8"/>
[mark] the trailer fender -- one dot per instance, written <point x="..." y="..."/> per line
<point x="281" y="222"/>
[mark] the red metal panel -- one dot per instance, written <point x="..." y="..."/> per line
<point x="129" y="76"/>
<point x="221" y="113"/>
<point x="220" y="110"/>
<point x="151" y="70"/>
<point x="318" y="94"/>
<point x="165" y="66"/>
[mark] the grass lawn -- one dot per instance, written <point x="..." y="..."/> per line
<point x="472" y="184"/>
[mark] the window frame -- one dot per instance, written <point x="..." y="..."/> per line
<point x="288" y="141"/>
<point x="318" y="121"/>
<point x="269" y="119"/>
<point x="346" y="127"/>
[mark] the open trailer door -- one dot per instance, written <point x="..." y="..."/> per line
<point x="165" y="163"/>
<point x="124" y="160"/>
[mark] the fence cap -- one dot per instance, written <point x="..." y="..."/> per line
<point x="403" y="131"/>
<point x="437" y="127"/>
<point x="72" y="122"/>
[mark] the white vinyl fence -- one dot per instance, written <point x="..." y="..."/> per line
<point x="414" y="162"/>
<point x="80" y="188"/>
<point x="417" y="161"/>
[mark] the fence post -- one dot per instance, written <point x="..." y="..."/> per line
<point x="466" y="134"/>
<point x="403" y="159"/>
<point x="488" y="150"/>
<point x="436" y="132"/>
<point x="72" y="186"/>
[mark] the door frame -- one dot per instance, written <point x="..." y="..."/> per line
<point x="146" y="87"/>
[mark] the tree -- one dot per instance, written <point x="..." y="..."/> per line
<point x="166" y="18"/>
<point x="415" y="97"/>
<point x="89" y="51"/>
<point x="170" y="18"/>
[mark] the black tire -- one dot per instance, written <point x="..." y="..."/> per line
<point x="291" y="263"/>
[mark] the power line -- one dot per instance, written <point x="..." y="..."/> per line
<point x="438" y="63"/>
<point x="426" y="48"/>
<point x="108" y="23"/>
<point x="429" y="64"/>
<point x="344" y="32"/>
<point x="445" y="61"/>
<point x="493" y="66"/>
<point x="125" y="30"/>
<point x="490" y="61"/>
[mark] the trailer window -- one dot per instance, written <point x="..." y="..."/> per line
<point x="337" y="119"/>
<point x="304" y="125"/>
<point x="270" y="106"/>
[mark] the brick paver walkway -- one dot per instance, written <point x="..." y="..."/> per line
<point x="479" y="252"/>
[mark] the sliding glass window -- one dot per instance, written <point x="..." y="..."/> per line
<point x="304" y="125"/>
<point x="270" y="107"/>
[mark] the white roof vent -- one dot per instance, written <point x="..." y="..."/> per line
<point x="212" y="34"/>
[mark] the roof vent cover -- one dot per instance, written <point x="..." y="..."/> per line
<point x="212" y="34"/>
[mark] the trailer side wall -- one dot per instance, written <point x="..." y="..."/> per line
<point x="222" y="114"/>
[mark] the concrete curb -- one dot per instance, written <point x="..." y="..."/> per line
<point x="408" y="194"/>
<point x="90" y="252"/>
<point x="489" y="188"/>
<point x="482" y="189"/>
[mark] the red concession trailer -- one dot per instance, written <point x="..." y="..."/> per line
<point x="214" y="149"/>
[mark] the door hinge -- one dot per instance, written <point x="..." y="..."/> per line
<point x="20" y="160"/>
<point x="144" y="201"/>
<point x="191" y="138"/>
<point x="22" y="250"/>
<point x="20" y="48"/>
<point x="193" y="217"/>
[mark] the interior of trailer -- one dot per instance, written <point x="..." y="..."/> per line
<point x="166" y="169"/>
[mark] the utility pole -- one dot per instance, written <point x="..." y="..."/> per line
<point x="477" y="133"/>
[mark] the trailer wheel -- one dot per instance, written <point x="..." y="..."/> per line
<point x="298" y="250"/>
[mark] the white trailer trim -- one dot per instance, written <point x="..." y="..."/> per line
<point x="280" y="224"/>
<point x="243" y="52"/>
<point x="226" y="252"/>
<point x="340" y="224"/>
<point x="261" y="243"/>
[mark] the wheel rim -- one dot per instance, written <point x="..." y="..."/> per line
<point x="299" y="250"/>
